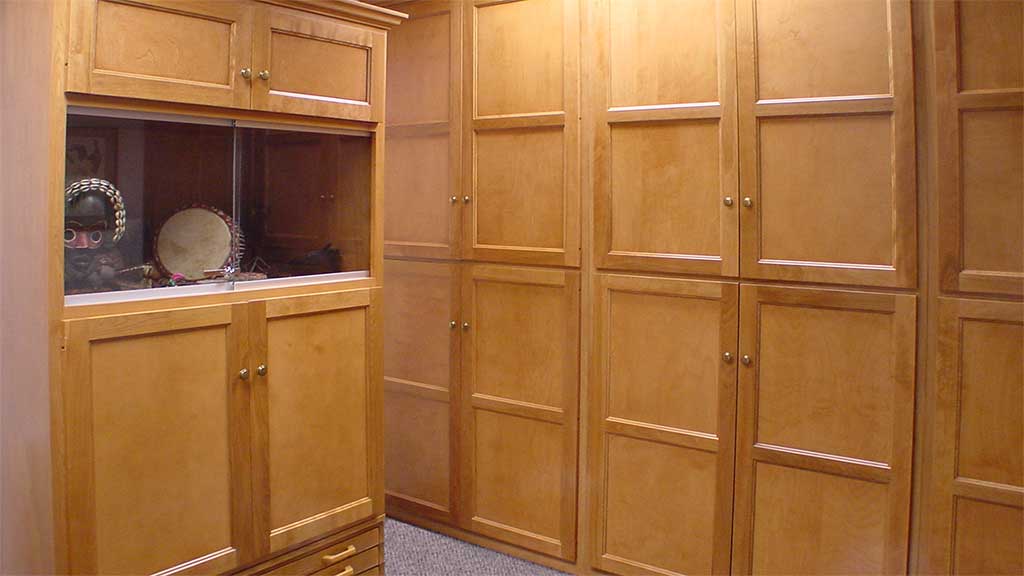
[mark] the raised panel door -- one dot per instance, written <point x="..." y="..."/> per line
<point x="974" y="499"/>
<point x="825" y="431"/>
<point x="664" y="158"/>
<point x="423" y="204"/>
<point x="317" y="66"/>
<point x="826" y="141"/>
<point x="663" y="399"/>
<point x="318" y="400"/>
<point x="421" y="359"/>
<point x="521" y="162"/>
<point x="980" y="122"/>
<point x="180" y="51"/>
<point x="157" y="422"/>
<point x="520" y="373"/>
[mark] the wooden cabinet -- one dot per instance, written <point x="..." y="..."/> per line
<point x="973" y="504"/>
<point x="209" y="437"/>
<point x="664" y="159"/>
<point x="521" y="161"/>
<point x="980" y="122"/>
<point x="520" y="370"/>
<point x="421" y="373"/>
<point x="663" y="409"/>
<point x="231" y="54"/>
<point x="826" y="141"/>
<point x="424" y="133"/>
<point x="825" y="429"/>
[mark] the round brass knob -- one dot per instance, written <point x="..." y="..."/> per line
<point x="453" y="199"/>
<point x="746" y="360"/>
<point x="264" y="74"/>
<point x="747" y="201"/>
<point x="261" y="369"/>
<point x="465" y="199"/>
<point x="727" y="201"/>
<point x="243" y="373"/>
<point x="246" y="73"/>
<point x="452" y="324"/>
<point x="465" y="325"/>
<point x="727" y="357"/>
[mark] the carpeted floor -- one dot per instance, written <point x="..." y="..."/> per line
<point x="412" y="551"/>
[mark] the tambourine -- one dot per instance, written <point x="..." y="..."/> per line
<point x="195" y="241"/>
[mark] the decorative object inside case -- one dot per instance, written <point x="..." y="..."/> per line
<point x="164" y="201"/>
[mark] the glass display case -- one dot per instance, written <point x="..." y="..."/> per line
<point x="159" y="205"/>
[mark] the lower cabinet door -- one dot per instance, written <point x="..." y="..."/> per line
<point x="520" y="345"/>
<point x="825" y="431"/>
<point x="317" y="398"/>
<point x="663" y="409"/>
<point x="157" y="427"/>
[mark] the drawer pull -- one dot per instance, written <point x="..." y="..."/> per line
<point x="331" y="558"/>
<point x="346" y="572"/>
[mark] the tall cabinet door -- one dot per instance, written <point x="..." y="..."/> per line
<point x="317" y="399"/>
<point x="520" y="375"/>
<point x="157" y="421"/>
<point x="179" y="51"/>
<point x="522" y="161"/>
<point x="421" y="366"/>
<point x="825" y="432"/>
<point x="826" y="132"/>
<point x="663" y="392"/>
<point x="664" y="160"/>
<point x="980" y="126"/>
<point x="423" y="203"/>
<point x="974" y="506"/>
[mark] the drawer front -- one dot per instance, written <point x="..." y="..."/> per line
<point x="335" y="556"/>
<point x="181" y="51"/>
<point x="317" y="66"/>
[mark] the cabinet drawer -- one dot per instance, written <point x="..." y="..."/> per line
<point x="353" y="565"/>
<point x="337" y="556"/>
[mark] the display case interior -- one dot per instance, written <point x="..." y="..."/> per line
<point x="208" y="205"/>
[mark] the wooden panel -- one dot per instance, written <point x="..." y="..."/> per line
<point x="980" y="105"/>
<point x="521" y="162"/>
<point x="973" y="504"/>
<point x="159" y="49"/>
<point x="421" y="347"/>
<point x="520" y="367"/>
<point x="294" y="48"/>
<point x="826" y="126"/>
<point x="318" y="415"/>
<point x="157" y="423"/>
<point x="825" y="431"/>
<point x="664" y="154"/>
<point x="420" y="67"/>
<point x="664" y="401"/>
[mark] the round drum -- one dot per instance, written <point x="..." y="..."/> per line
<point x="194" y="241"/>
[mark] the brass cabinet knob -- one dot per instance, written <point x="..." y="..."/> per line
<point x="243" y="373"/>
<point x="746" y="360"/>
<point x="246" y="73"/>
<point x="727" y="356"/>
<point x="465" y="325"/>
<point x="465" y="199"/>
<point x="727" y="201"/>
<point x="453" y="199"/>
<point x="747" y="201"/>
<point x="261" y="369"/>
<point x="264" y="74"/>
<point x="452" y="324"/>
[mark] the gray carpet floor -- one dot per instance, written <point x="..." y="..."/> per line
<point x="413" y="551"/>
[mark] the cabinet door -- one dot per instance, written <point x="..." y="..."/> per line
<point x="979" y="49"/>
<point x="825" y="431"/>
<point x="317" y="458"/>
<point x="423" y="203"/>
<point x="826" y="132"/>
<point x="317" y="66"/>
<point x="663" y="398"/>
<point x="157" y="426"/>
<point x="664" y="159"/>
<point x="520" y="374"/>
<point x="974" y="505"/>
<point x="522" y="132"/>
<point x="180" y="51"/>
<point x="421" y="347"/>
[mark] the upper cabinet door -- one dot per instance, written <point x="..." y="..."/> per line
<point x="979" y="49"/>
<point x="521" y="159"/>
<point x="423" y="199"/>
<point x="664" y="156"/>
<point x="157" y="419"/>
<point x="317" y="399"/>
<point x="180" y="51"/>
<point x="307" y="64"/>
<point x="826" y="132"/>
